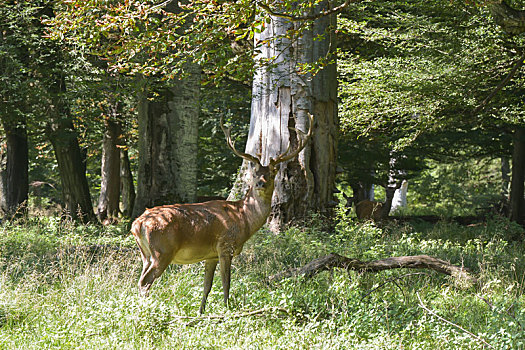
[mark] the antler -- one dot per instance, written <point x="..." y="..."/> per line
<point x="303" y="140"/>
<point x="229" y="142"/>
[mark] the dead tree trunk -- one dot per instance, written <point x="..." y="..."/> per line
<point x="283" y="96"/>
<point x="168" y="128"/>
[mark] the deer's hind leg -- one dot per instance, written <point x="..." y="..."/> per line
<point x="152" y="266"/>
<point x="151" y="271"/>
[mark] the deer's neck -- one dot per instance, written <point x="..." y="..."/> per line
<point x="256" y="210"/>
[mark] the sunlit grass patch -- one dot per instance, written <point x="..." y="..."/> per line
<point x="63" y="286"/>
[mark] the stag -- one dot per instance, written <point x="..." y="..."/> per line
<point x="213" y="231"/>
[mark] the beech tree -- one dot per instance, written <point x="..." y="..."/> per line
<point x="295" y="76"/>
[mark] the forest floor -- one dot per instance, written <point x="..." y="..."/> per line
<point x="64" y="286"/>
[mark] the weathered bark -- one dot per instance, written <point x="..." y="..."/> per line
<point x="15" y="179"/>
<point x="108" y="200"/>
<point x="168" y="128"/>
<point x="127" y="188"/>
<point x="518" y="176"/>
<point x="334" y="260"/>
<point x="283" y="98"/>
<point x="72" y="169"/>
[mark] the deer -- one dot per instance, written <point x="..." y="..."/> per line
<point x="365" y="209"/>
<point x="213" y="231"/>
<point x="371" y="210"/>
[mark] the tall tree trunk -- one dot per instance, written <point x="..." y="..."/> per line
<point x="518" y="176"/>
<point x="72" y="169"/>
<point x="108" y="201"/>
<point x="168" y="128"/>
<point x="282" y="98"/>
<point x="64" y="138"/>
<point x="127" y="189"/>
<point x="15" y="185"/>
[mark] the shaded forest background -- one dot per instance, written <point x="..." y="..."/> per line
<point x="428" y="92"/>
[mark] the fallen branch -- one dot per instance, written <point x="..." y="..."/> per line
<point x="334" y="260"/>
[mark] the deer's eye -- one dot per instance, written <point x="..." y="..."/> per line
<point x="260" y="183"/>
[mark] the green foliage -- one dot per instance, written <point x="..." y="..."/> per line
<point x="412" y="74"/>
<point x="65" y="286"/>
<point x="217" y="163"/>
<point x="458" y="188"/>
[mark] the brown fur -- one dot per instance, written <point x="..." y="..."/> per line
<point x="367" y="209"/>
<point x="213" y="231"/>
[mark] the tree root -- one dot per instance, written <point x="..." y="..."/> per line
<point x="334" y="260"/>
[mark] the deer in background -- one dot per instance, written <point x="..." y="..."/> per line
<point x="371" y="210"/>
<point x="213" y="231"/>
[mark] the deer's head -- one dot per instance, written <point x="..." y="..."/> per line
<point x="264" y="175"/>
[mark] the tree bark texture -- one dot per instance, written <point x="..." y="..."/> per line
<point x="334" y="260"/>
<point x="168" y="128"/>
<point x="518" y="176"/>
<point x="15" y="185"/>
<point x="127" y="188"/>
<point x="282" y="98"/>
<point x="108" y="200"/>
<point x="72" y="169"/>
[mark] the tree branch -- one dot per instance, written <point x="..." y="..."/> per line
<point x="334" y="260"/>
<point x="451" y="323"/>
<point x="517" y="65"/>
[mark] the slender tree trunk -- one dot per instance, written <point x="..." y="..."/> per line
<point x="168" y="144"/>
<point x="505" y="177"/>
<point x="108" y="201"/>
<point x="127" y="189"/>
<point x="283" y="96"/>
<point x="15" y="185"/>
<point x="387" y="204"/>
<point x="518" y="176"/>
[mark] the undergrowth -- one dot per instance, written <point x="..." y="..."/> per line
<point x="65" y="286"/>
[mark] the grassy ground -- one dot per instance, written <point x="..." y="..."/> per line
<point x="65" y="286"/>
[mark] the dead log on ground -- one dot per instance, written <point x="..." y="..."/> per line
<point x="334" y="260"/>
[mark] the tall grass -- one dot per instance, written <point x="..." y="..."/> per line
<point x="64" y="286"/>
